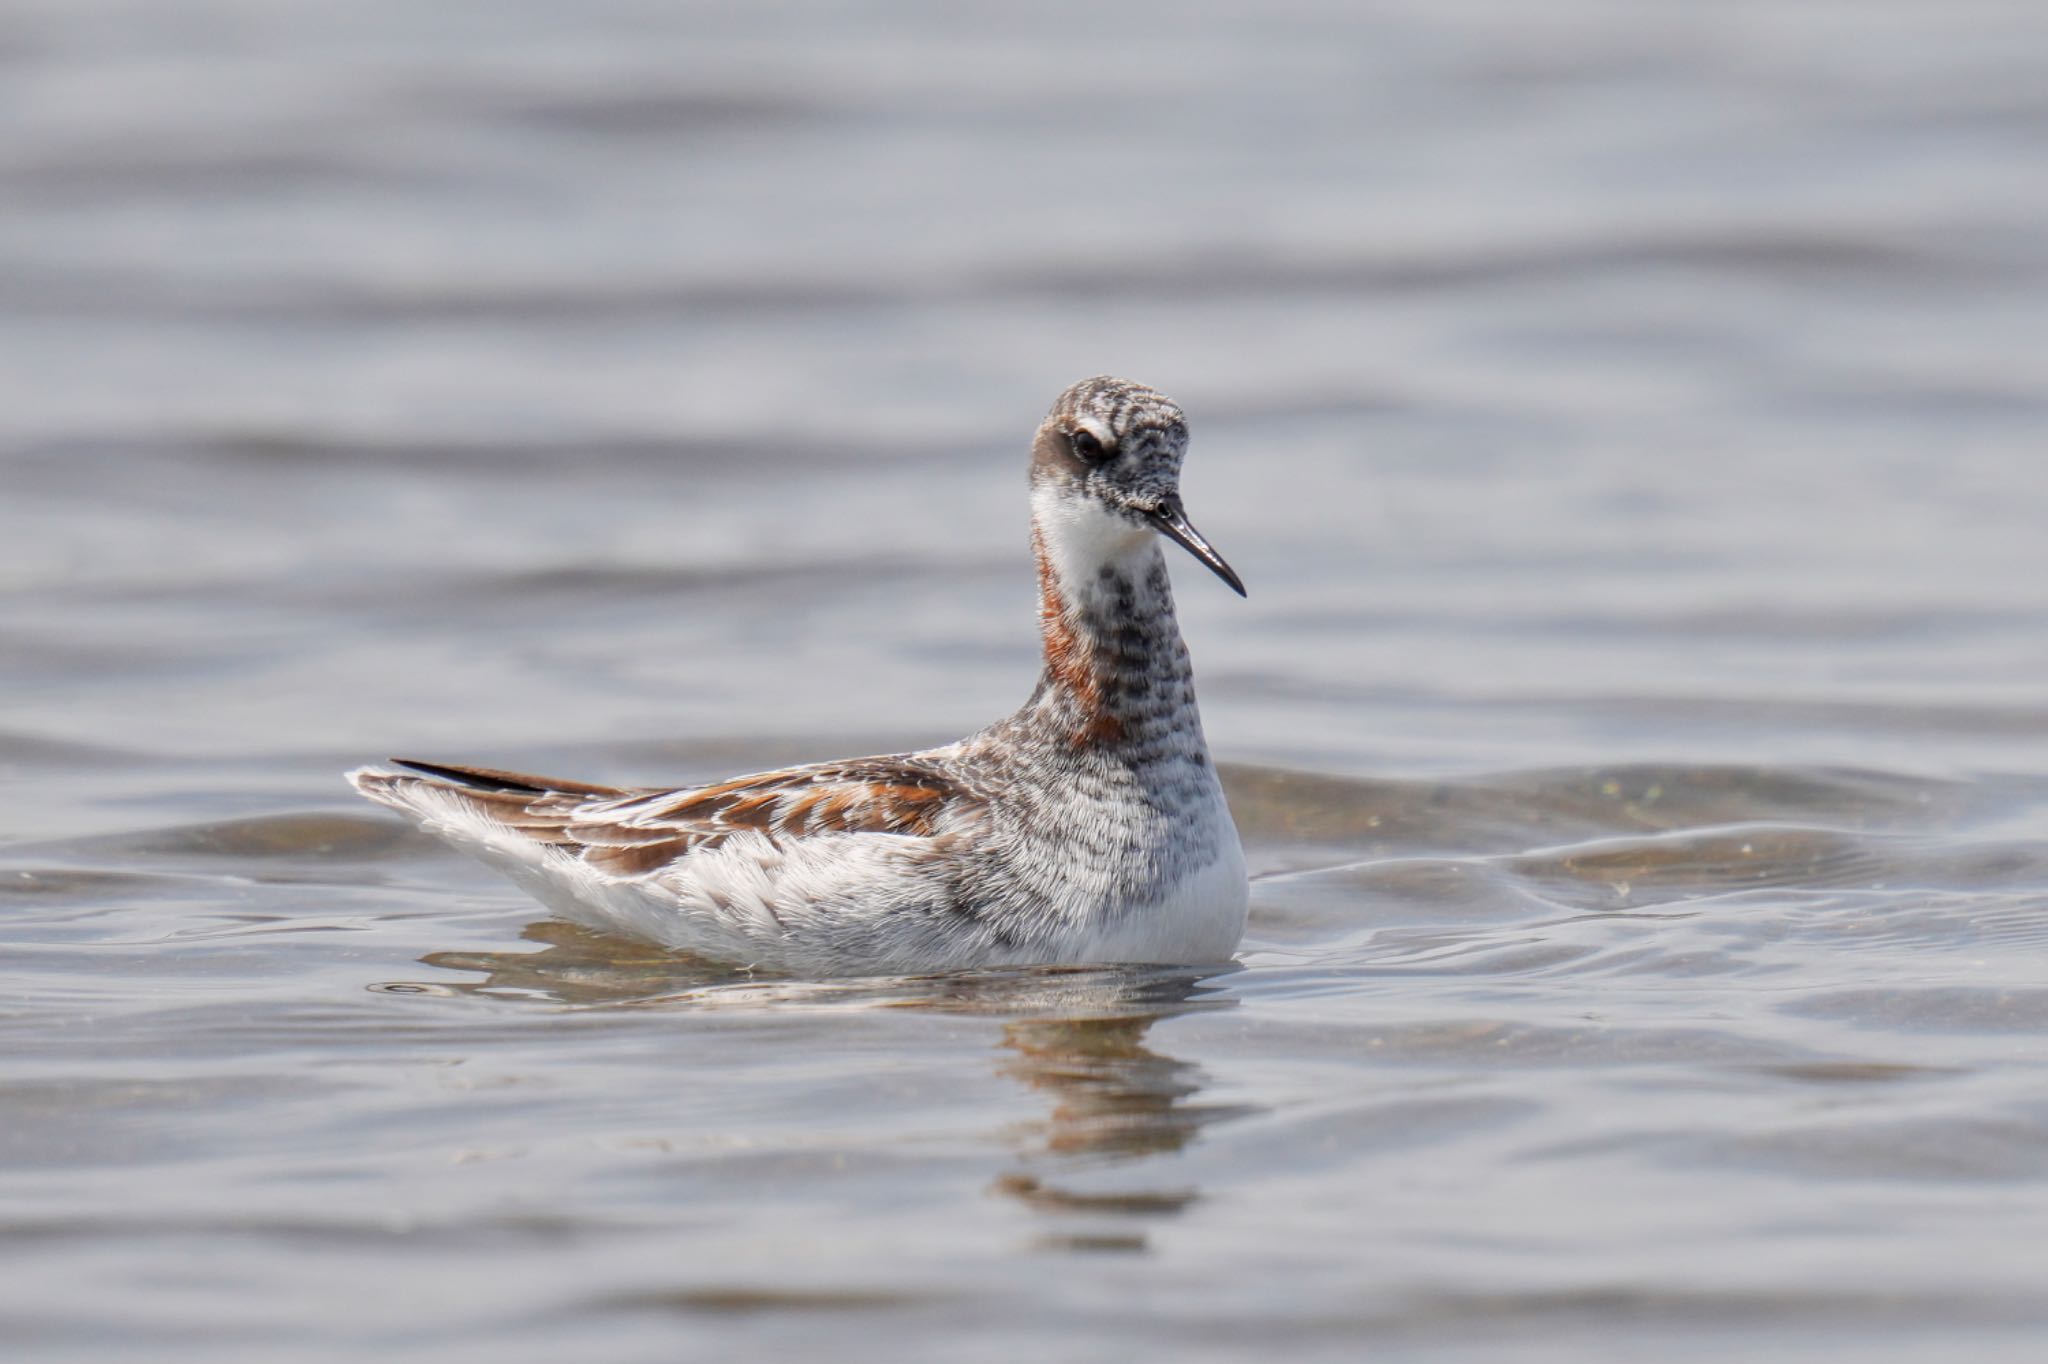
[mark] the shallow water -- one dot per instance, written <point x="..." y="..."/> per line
<point x="1629" y="422"/>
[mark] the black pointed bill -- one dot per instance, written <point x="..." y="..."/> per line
<point x="1172" y="522"/>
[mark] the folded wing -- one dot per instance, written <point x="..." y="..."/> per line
<point x="634" y="832"/>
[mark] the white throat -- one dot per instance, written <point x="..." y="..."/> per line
<point x="1081" y="537"/>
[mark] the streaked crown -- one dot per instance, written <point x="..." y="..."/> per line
<point x="1118" y="405"/>
<point x="1117" y="440"/>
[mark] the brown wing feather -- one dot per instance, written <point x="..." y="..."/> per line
<point x="632" y="832"/>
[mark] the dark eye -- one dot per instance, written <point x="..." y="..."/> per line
<point x="1086" y="446"/>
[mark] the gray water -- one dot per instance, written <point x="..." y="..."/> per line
<point x="1631" y="421"/>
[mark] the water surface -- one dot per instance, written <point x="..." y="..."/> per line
<point x="1628" y="421"/>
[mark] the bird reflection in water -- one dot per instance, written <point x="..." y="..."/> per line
<point x="1075" y="1035"/>
<point x="1116" y="1103"/>
<point x="574" y="966"/>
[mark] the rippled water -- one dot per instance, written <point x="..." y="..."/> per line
<point x="1629" y="420"/>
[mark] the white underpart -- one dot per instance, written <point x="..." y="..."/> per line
<point x="1199" y="920"/>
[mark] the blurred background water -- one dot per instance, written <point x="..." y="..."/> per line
<point x="1629" y="419"/>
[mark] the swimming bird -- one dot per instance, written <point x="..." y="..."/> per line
<point x="1087" y="827"/>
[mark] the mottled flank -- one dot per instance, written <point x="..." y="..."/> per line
<point x="1087" y="827"/>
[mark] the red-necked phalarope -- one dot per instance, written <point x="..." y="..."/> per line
<point x="1087" y="827"/>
